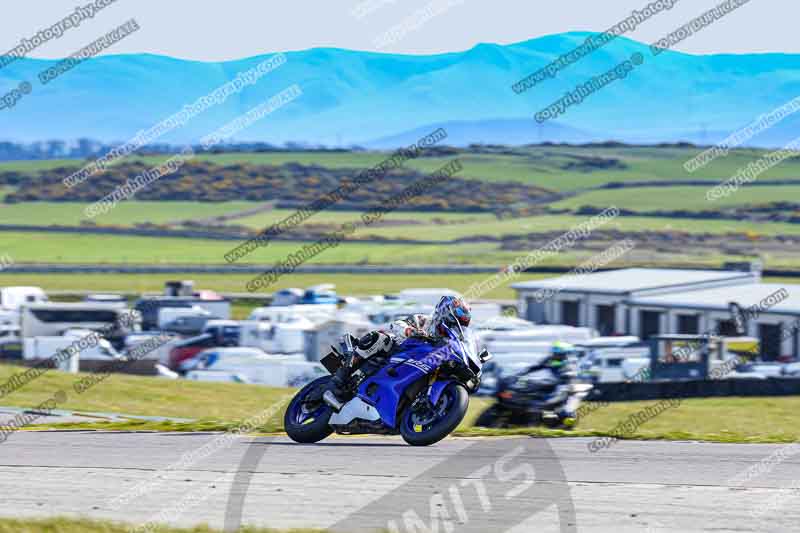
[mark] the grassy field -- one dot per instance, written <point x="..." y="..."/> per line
<point x="143" y="395"/>
<point x="267" y="218"/>
<point x="557" y="168"/>
<point x="551" y="167"/>
<point x="72" y="525"/>
<point x="124" y="214"/>
<point x="688" y="198"/>
<point x="561" y="223"/>
<point x="411" y="224"/>
<point x="732" y="419"/>
<point x="86" y="248"/>
<point x="43" y="247"/>
<point x="348" y="284"/>
<point x="221" y="406"/>
<point x="351" y="285"/>
<point x="448" y="226"/>
<point x="29" y="166"/>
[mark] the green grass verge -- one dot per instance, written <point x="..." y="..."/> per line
<point x="43" y="247"/>
<point x="551" y="167"/>
<point x="429" y="225"/>
<point x="136" y="395"/>
<point x="267" y="218"/>
<point x="134" y="212"/>
<point x="124" y="214"/>
<point x="87" y="248"/>
<point x="347" y="284"/>
<point x="222" y="406"/>
<point x="688" y="198"/>
<point x="729" y="419"/>
<point x="71" y="525"/>
<point x="492" y="227"/>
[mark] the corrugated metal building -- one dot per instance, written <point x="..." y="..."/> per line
<point x="771" y="313"/>
<point x="600" y="299"/>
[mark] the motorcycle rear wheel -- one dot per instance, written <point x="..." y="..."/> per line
<point x="492" y="417"/>
<point x="423" y="429"/>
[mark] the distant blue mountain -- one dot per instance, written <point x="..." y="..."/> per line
<point x="511" y="131"/>
<point x="384" y="100"/>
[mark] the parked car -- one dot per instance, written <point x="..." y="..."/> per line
<point x="213" y="358"/>
<point x="319" y="294"/>
<point x="185" y="321"/>
<point x="225" y="332"/>
<point x="791" y="370"/>
<point x="188" y="348"/>
<point x="285" y="297"/>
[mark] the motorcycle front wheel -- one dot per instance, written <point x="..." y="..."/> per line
<point x="306" y="418"/>
<point x="423" y="424"/>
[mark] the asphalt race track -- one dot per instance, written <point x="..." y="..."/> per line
<point x="359" y="484"/>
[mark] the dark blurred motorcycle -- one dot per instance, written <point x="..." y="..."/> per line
<point x="535" y="398"/>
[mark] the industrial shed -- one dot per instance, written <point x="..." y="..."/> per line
<point x="771" y="314"/>
<point x="599" y="299"/>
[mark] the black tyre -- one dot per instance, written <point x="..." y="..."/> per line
<point x="490" y="418"/>
<point x="552" y="423"/>
<point x="525" y="418"/>
<point x="307" y="416"/>
<point x="424" y="426"/>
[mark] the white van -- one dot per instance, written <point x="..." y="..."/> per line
<point x="613" y="359"/>
<point x="41" y="348"/>
<point x="52" y="319"/>
<point x="12" y="298"/>
<point x="569" y="334"/>
<point x="276" y="337"/>
<point x="532" y="347"/>
<point x="248" y="365"/>
<point x="317" y="313"/>
<point x="429" y="297"/>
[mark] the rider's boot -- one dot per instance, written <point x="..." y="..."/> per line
<point x="336" y="395"/>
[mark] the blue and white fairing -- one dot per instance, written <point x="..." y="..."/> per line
<point x="384" y="390"/>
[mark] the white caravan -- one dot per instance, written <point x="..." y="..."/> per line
<point x="569" y="334"/>
<point x="427" y="297"/>
<point x="12" y="298"/>
<point x="285" y="336"/>
<point x="613" y="359"/>
<point x="41" y="348"/>
<point x="250" y="365"/>
<point x="52" y="319"/>
<point x="316" y="313"/>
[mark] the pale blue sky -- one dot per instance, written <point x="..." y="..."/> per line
<point x="229" y="29"/>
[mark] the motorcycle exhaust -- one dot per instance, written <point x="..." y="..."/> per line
<point x="330" y="398"/>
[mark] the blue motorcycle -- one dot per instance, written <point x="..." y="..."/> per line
<point x="420" y="391"/>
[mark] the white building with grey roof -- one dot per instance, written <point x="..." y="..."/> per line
<point x="599" y="299"/>
<point x="769" y="312"/>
